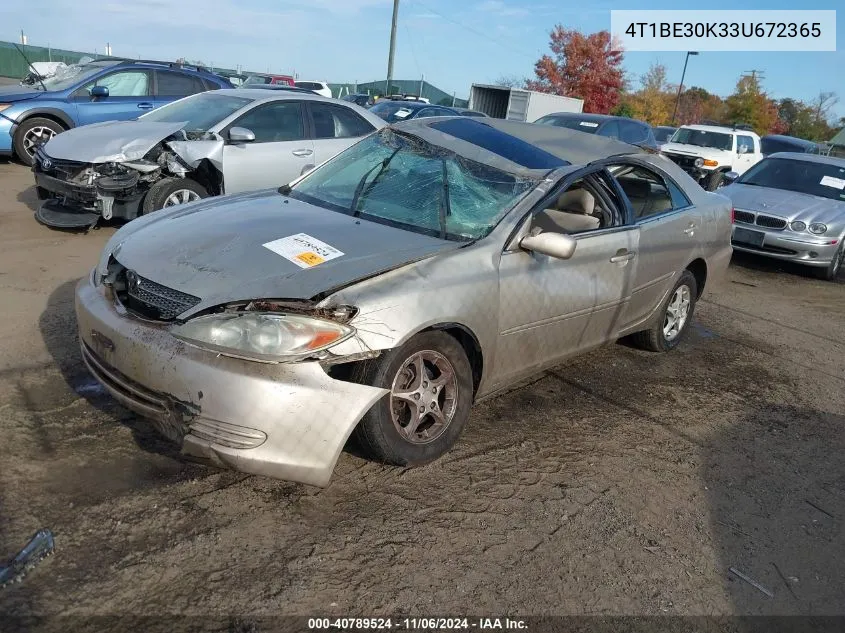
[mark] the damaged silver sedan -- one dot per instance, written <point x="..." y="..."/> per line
<point x="213" y="143"/>
<point x="431" y="265"/>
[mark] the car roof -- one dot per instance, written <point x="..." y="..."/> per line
<point x="810" y="158"/>
<point x="790" y="139"/>
<point x="272" y="94"/>
<point x="413" y="105"/>
<point x="724" y="129"/>
<point x="467" y="137"/>
<point x="585" y="116"/>
<point x="665" y="127"/>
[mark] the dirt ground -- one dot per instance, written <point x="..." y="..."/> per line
<point x="621" y="483"/>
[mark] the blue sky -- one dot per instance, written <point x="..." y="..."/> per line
<point x="452" y="42"/>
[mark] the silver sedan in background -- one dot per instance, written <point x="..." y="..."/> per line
<point x="429" y="266"/>
<point x="212" y="143"/>
<point x="791" y="206"/>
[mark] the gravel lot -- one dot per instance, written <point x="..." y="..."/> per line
<point x="621" y="483"/>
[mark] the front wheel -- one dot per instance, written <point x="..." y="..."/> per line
<point x="32" y="133"/>
<point x="714" y="181"/>
<point x="675" y="315"/>
<point x="831" y="272"/>
<point x="431" y="391"/>
<point x="168" y="192"/>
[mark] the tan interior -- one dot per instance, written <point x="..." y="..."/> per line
<point x="571" y="214"/>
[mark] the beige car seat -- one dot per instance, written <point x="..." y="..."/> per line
<point x="572" y="213"/>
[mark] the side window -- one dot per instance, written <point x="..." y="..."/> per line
<point x="610" y="129"/>
<point x="588" y="204"/>
<point x="632" y="132"/>
<point x="744" y="141"/>
<point x="426" y="112"/>
<point x="274" y="122"/>
<point x="331" y="121"/>
<point x="171" y="84"/>
<point x="646" y="191"/>
<point x="131" y="83"/>
<point x="679" y="198"/>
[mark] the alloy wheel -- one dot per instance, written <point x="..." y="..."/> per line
<point x="181" y="196"/>
<point x="424" y="397"/>
<point x="677" y="313"/>
<point x="35" y="137"/>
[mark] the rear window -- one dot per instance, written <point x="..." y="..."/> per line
<point x="393" y="111"/>
<point x="502" y="144"/>
<point x="774" y="145"/>
<point x="309" y="85"/>
<point x="257" y="79"/>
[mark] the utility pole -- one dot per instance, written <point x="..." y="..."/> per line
<point x="392" y="47"/>
<point x="755" y="74"/>
<point x="681" y="85"/>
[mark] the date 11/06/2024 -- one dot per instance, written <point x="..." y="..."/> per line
<point x="416" y="624"/>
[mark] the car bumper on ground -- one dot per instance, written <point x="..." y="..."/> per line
<point x="785" y="245"/>
<point x="288" y="421"/>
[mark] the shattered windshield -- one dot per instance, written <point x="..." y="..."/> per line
<point x="69" y="76"/>
<point x="403" y="181"/>
<point x="703" y="138"/>
<point x="201" y="111"/>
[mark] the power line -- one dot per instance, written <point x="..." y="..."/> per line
<point x="411" y="44"/>
<point x="474" y="31"/>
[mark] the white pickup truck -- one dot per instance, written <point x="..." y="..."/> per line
<point x="708" y="152"/>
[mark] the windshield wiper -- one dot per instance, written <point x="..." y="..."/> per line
<point x="359" y="190"/>
<point x="445" y="204"/>
<point x="32" y="68"/>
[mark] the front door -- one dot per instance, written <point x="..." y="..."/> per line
<point x="279" y="154"/>
<point x="550" y="309"/>
<point x="129" y="96"/>
<point x="336" y="127"/>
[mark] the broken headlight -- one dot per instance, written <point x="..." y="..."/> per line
<point x="262" y="336"/>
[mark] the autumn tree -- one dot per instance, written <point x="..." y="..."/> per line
<point x="653" y="102"/>
<point x="808" y="120"/>
<point x="583" y="66"/>
<point x="750" y="104"/>
<point x="510" y="81"/>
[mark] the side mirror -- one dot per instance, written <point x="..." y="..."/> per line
<point x="99" y="92"/>
<point x="729" y="177"/>
<point x="241" y="135"/>
<point x="555" y="245"/>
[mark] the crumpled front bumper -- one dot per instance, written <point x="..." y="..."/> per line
<point x="288" y="421"/>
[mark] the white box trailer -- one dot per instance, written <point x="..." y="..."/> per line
<point x="516" y="104"/>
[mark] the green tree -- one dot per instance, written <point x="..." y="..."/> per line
<point x="751" y="105"/>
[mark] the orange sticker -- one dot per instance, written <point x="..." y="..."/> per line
<point x="312" y="259"/>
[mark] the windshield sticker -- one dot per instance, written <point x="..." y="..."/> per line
<point x="303" y="250"/>
<point x="402" y="113"/>
<point x="588" y="124"/>
<point x="830" y="181"/>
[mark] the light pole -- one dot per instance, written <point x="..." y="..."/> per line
<point x="681" y="86"/>
<point x="392" y="47"/>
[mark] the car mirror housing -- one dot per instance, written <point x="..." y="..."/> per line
<point x="99" y="92"/>
<point x="730" y="177"/>
<point x="557" y="245"/>
<point x="241" y="135"/>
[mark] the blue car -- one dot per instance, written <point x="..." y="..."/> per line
<point x="92" y="92"/>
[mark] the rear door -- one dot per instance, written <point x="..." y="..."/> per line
<point x="171" y="85"/>
<point x="336" y="127"/>
<point x="280" y="153"/>
<point x="669" y="233"/>
<point x="130" y="96"/>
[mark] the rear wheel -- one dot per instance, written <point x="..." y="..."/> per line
<point x="170" y="192"/>
<point x="431" y="389"/>
<point x="675" y="316"/>
<point x="32" y="133"/>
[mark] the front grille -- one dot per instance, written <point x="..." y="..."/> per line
<point x="61" y="169"/>
<point x="685" y="162"/>
<point x="746" y="217"/>
<point x="770" y="222"/>
<point x="147" y="298"/>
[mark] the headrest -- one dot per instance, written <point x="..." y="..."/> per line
<point x="576" y="201"/>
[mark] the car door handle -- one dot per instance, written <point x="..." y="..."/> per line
<point x="302" y="152"/>
<point x="690" y="230"/>
<point x="145" y="105"/>
<point x="622" y="255"/>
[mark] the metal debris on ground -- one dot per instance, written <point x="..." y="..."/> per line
<point x="751" y="581"/>
<point x="39" y="547"/>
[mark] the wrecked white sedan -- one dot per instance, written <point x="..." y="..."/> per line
<point x="213" y="143"/>
<point x="432" y="264"/>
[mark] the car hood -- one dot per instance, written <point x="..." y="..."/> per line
<point x="694" y="150"/>
<point x="786" y="204"/>
<point x="214" y="249"/>
<point x="109" y="142"/>
<point x="11" y="94"/>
